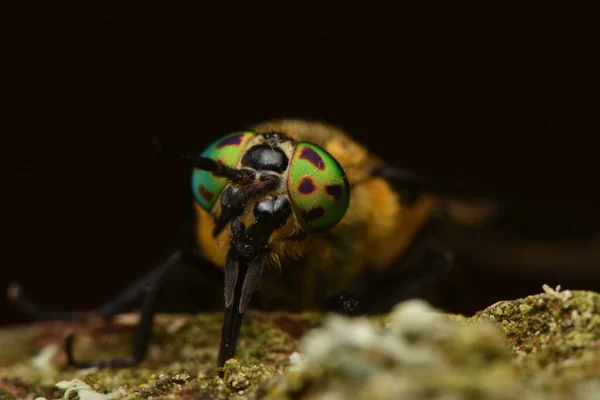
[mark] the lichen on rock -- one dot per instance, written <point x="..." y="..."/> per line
<point x="545" y="346"/>
<point x="555" y="334"/>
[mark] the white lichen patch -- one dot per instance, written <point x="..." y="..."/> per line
<point x="561" y="295"/>
<point x="84" y="392"/>
<point x="419" y="349"/>
<point x="422" y="353"/>
<point x="416" y="320"/>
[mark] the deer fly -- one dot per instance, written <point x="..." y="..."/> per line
<point x="301" y="211"/>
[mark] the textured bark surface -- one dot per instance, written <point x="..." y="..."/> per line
<point x="545" y="346"/>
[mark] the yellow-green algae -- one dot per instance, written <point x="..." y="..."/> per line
<point x="545" y="346"/>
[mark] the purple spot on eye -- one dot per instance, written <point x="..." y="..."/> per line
<point x="208" y="196"/>
<point x="313" y="214"/>
<point x="334" y="191"/>
<point x="306" y="186"/>
<point x="234" y="140"/>
<point x="312" y="157"/>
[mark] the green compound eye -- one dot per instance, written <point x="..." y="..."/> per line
<point x="228" y="149"/>
<point x="318" y="187"/>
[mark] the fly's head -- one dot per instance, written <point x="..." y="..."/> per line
<point x="266" y="190"/>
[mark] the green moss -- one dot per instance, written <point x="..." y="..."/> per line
<point x="545" y="346"/>
<point x="181" y="360"/>
<point x="162" y="384"/>
<point x="556" y="334"/>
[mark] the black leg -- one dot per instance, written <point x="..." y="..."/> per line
<point x="124" y="301"/>
<point x="182" y="270"/>
<point x="192" y="275"/>
<point x="378" y="291"/>
<point x="405" y="284"/>
<point x="144" y="328"/>
<point x="419" y="266"/>
<point x="120" y="303"/>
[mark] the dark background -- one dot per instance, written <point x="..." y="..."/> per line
<point x="505" y="98"/>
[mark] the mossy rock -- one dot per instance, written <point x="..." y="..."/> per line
<point x="545" y="346"/>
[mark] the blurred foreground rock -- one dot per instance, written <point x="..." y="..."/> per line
<point x="545" y="346"/>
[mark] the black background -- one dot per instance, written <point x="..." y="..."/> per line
<point x="505" y="97"/>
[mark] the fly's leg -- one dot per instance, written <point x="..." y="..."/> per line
<point x="421" y="265"/>
<point x="124" y="301"/>
<point x="133" y="295"/>
<point x="406" y="285"/>
<point x="144" y="293"/>
<point x="143" y="330"/>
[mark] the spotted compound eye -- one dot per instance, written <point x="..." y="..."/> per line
<point x="318" y="187"/>
<point x="228" y="149"/>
